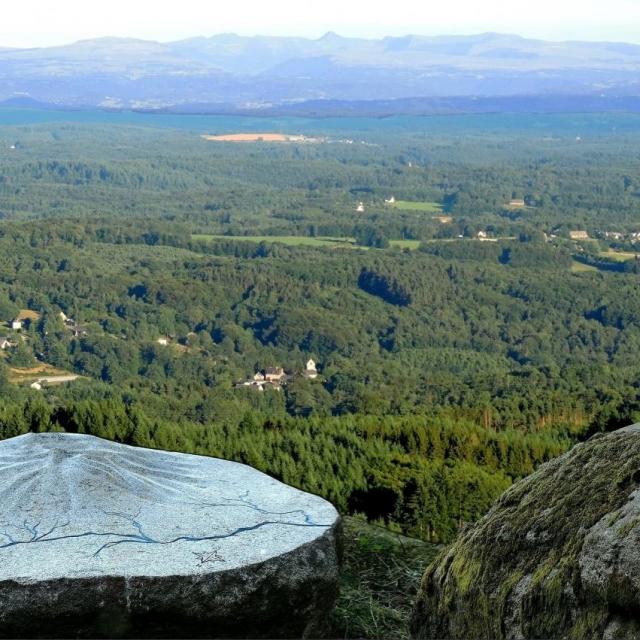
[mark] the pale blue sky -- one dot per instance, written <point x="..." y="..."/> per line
<point x="44" y="22"/>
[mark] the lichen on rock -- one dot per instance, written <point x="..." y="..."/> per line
<point x="558" y="556"/>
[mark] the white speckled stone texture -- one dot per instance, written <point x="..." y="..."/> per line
<point x="75" y="507"/>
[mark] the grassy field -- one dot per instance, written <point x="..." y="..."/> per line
<point x="618" y="256"/>
<point x="290" y="240"/>
<point x="380" y="578"/>
<point x="425" y="207"/>
<point x="335" y="243"/>
<point x="579" y="267"/>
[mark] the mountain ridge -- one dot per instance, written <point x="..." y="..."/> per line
<point x="268" y="71"/>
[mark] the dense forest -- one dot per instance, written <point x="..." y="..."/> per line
<point x="477" y="317"/>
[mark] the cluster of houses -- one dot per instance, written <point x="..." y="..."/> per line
<point x="275" y="378"/>
<point x="619" y="235"/>
<point x="26" y="317"/>
<point x="70" y="324"/>
<point x="580" y="234"/>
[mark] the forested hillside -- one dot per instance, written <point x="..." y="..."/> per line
<point x="472" y="326"/>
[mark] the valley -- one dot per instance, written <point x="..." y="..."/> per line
<point x="458" y="340"/>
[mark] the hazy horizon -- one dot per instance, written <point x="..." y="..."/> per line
<point x="69" y="20"/>
<point x="419" y="34"/>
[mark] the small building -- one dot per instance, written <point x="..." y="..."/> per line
<point x="5" y="343"/>
<point x="516" y="202"/>
<point x="390" y="200"/>
<point x="258" y="377"/>
<point x="274" y="374"/>
<point x="79" y="331"/>
<point x="251" y="384"/>
<point x="163" y="341"/>
<point x="578" y="235"/>
<point x="25" y="317"/>
<point x="360" y="207"/>
<point x="36" y="385"/>
<point x="482" y="235"/>
<point x="311" y="371"/>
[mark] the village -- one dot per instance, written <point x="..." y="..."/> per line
<point x="23" y="319"/>
<point x="41" y="375"/>
<point x="275" y="378"/>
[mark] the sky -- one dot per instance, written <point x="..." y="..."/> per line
<point x="30" y="23"/>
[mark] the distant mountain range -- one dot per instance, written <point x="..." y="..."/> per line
<point x="230" y="73"/>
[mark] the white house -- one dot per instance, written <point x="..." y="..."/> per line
<point x="311" y="371"/>
<point x="360" y="207"/>
<point x="16" y="325"/>
<point x="36" y="385"/>
<point x="5" y="343"/>
<point x="163" y="341"/>
<point x="390" y="200"/>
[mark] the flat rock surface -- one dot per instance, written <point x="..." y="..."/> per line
<point x="77" y="507"/>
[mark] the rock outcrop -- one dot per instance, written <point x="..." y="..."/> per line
<point x="558" y="556"/>
<point x="104" y="540"/>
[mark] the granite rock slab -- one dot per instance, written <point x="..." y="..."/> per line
<point x="99" y="539"/>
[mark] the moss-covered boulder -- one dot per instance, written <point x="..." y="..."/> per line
<point x="558" y="556"/>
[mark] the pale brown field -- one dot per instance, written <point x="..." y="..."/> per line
<point x="258" y="137"/>
<point x="40" y="373"/>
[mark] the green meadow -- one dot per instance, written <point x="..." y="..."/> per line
<point x="424" y="207"/>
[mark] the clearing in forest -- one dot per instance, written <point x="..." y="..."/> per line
<point x="40" y="373"/>
<point x="580" y="267"/>
<point x="425" y="207"/>
<point x="290" y="240"/>
<point x="619" y="256"/>
<point x="443" y="219"/>
<point x="306" y="241"/>
<point x="259" y="137"/>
